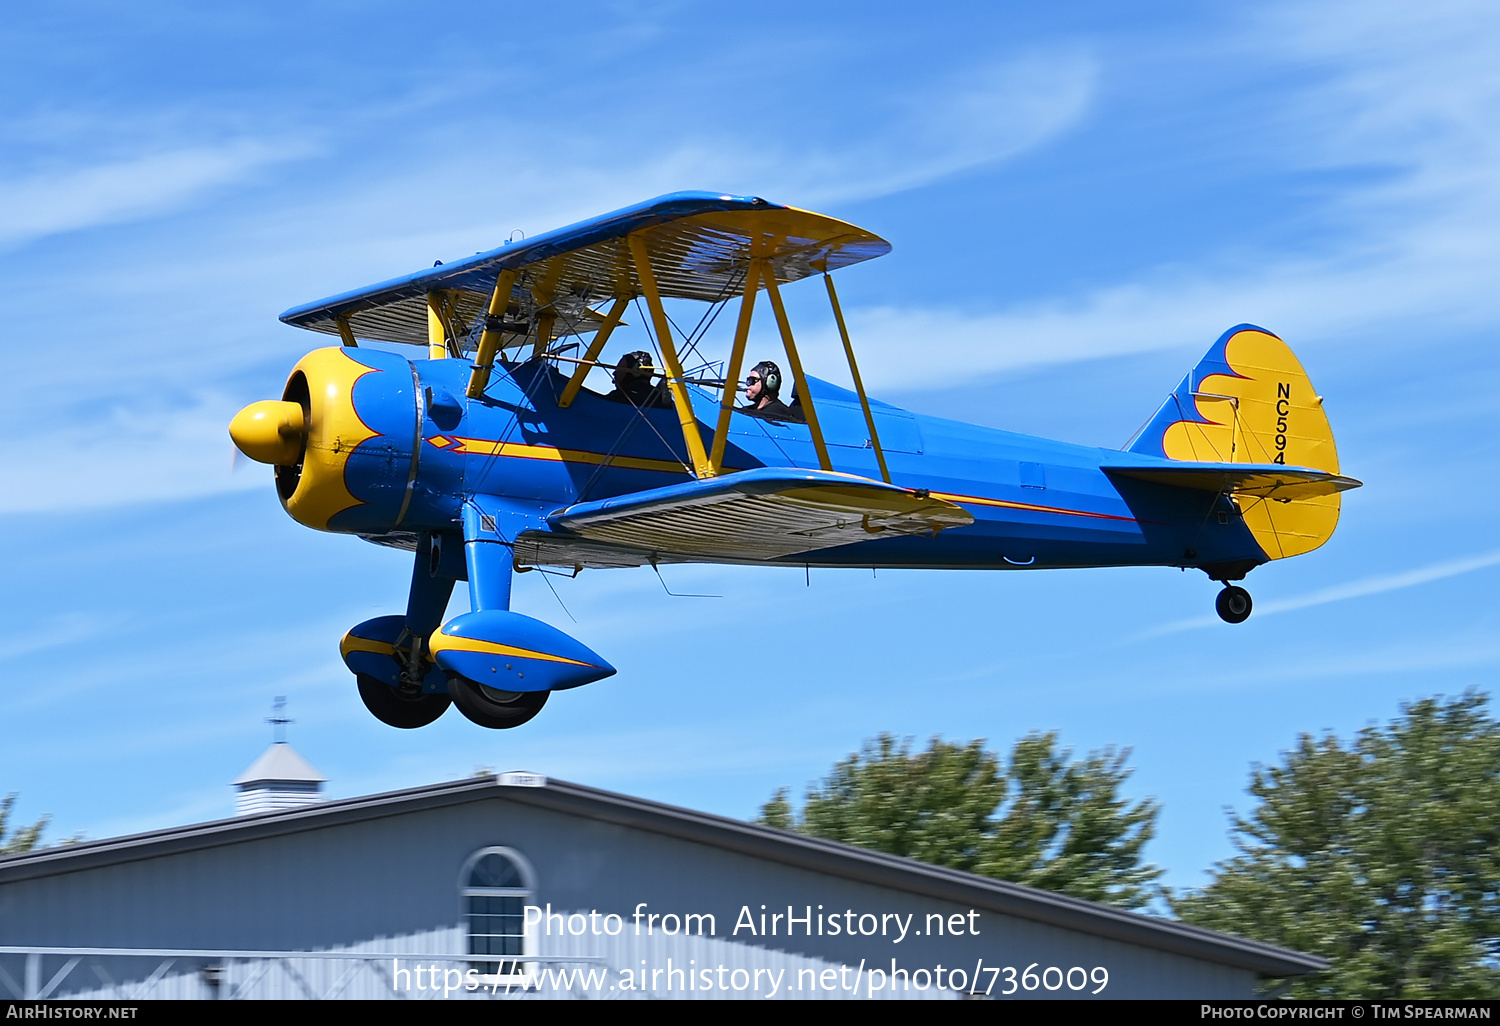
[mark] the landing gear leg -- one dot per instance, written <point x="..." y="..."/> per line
<point x="427" y="601"/>
<point x="410" y="699"/>
<point x="1233" y="604"/>
<point x="426" y="605"/>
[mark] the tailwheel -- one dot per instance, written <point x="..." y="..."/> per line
<point x="1233" y="604"/>
<point x="397" y="708"/>
<point x="492" y="707"/>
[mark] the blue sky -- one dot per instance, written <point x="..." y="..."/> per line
<point x="1081" y="198"/>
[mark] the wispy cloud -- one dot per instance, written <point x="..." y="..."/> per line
<point x="1405" y="98"/>
<point x="1298" y="300"/>
<point x="65" y="629"/>
<point x="100" y="194"/>
<point x="1360" y="588"/>
<point x="985" y="113"/>
<point x="1421" y="242"/>
<point x="966" y="121"/>
<point x="117" y="447"/>
<point x="126" y="455"/>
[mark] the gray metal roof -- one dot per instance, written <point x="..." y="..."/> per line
<point x="786" y="848"/>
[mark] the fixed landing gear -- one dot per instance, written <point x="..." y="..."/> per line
<point x="397" y="708"/>
<point x="1233" y="604"/>
<point x="491" y="707"/>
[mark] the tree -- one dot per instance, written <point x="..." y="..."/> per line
<point x="1042" y="821"/>
<point x="1380" y="856"/>
<point x="22" y="838"/>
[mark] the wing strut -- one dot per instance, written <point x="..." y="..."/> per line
<point x="859" y="385"/>
<point x="489" y="341"/>
<point x="591" y="357"/>
<point x="543" y="295"/>
<point x="774" y="292"/>
<point x="437" y="330"/>
<point x="690" y="433"/>
<point x="736" y="357"/>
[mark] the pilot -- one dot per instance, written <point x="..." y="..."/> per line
<point x="762" y="390"/>
<point x="633" y="382"/>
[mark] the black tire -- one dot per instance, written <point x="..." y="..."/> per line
<point x="493" y="708"/>
<point x="1233" y="604"/>
<point x="396" y="709"/>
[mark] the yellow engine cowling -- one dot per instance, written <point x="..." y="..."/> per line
<point x="311" y="432"/>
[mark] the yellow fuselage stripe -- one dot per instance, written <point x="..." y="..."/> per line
<point x="521" y="450"/>
<point x="1007" y="504"/>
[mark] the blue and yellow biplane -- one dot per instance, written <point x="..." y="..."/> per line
<point x="488" y="456"/>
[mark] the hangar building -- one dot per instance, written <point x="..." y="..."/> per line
<point x="517" y="886"/>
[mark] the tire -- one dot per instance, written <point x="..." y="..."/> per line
<point x="1233" y="605"/>
<point x="490" y="707"/>
<point x="395" y="709"/>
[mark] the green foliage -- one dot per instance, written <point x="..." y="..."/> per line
<point x="22" y="838"/>
<point x="778" y="812"/>
<point x="1042" y="821"/>
<point x="1382" y="856"/>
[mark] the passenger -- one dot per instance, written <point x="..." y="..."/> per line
<point x="762" y="389"/>
<point x="633" y="382"/>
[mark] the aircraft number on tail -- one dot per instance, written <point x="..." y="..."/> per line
<point x="1283" y="408"/>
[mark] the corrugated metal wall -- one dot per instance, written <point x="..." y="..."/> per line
<point x="392" y="885"/>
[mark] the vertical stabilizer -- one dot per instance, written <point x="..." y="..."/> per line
<point x="1250" y="401"/>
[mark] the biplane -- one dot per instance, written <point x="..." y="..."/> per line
<point x="486" y="454"/>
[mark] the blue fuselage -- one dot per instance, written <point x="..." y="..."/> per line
<point x="1036" y="503"/>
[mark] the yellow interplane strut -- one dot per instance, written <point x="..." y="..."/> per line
<point x="859" y="385"/>
<point x="591" y="356"/>
<point x="489" y="341"/>
<point x="437" y="333"/>
<point x="444" y="334"/>
<point x="690" y="433"/>
<point x="736" y="359"/>
<point x="808" y="408"/>
<point x="543" y="295"/>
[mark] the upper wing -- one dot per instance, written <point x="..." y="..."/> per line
<point x="1264" y="480"/>
<point x="752" y="515"/>
<point x="698" y="244"/>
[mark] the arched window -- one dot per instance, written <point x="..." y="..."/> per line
<point x="496" y="883"/>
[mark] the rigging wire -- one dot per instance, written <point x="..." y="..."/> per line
<point x="674" y="594"/>
<point x="546" y="575"/>
<point x="631" y="425"/>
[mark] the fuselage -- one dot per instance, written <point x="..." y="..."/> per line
<point x="395" y="447"/>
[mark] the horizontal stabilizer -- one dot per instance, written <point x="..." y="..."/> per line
<point x="1263" y="480"/>
<point x="757" y="515"/>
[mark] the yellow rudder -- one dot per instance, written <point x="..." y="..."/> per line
<point x="1250" y="401"/>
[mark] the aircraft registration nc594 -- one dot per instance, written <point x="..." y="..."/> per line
<point x="485" y="455"/>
